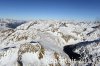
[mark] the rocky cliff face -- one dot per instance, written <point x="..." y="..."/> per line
<point x="41" y="43"/>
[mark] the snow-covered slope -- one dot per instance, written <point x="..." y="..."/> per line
<point x="10" y="23"/>
<point x="41" y="43"/>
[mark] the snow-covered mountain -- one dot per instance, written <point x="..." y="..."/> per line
<point x="10" y="23"/>
<point x="50" y="43"/>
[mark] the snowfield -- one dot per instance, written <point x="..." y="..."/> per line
<point x="42" y="42"/>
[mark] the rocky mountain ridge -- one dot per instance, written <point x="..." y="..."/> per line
<point x="41" y="43"/>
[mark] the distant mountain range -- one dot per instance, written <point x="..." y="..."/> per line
<point x="49" y="43"/>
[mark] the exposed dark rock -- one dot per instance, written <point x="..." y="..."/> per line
<point x="96" y="26"/>
<point x="69" y="50"/>
<point x="90" y="32"/>
<point x="20" y="63"/>
<point x="6" y="48"/>
<point x="33" y="42"/>
<point x="15" y="24"/>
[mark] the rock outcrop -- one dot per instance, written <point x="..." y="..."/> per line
<point x="50" y="43"/>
